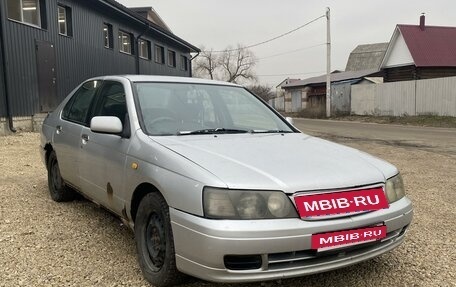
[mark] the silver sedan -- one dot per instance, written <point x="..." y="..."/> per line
<point x="218" y="185"/>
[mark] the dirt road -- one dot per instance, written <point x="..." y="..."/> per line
<point x="440" y="140"/>
<point x="43" y="243"/>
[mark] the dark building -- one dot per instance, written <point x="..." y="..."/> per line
<point x="49" y="46"/>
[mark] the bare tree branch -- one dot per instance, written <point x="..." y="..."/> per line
<point x="233" y="65"/>
<point x="206" y="64"/>
<point x="262" y="91"/>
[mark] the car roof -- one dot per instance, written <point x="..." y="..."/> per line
<point x="166" y="79"/>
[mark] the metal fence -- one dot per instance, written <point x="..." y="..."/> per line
<point x="296" y="101"/>
<point x="278" y="103"/>
<point x="422" y="97"/>
<point x="340" y="98"/>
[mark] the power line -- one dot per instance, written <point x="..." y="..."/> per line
<point x="270" y="40"/>
<point x="291" y="74"/>
<point x="292" y="51"/>
<point x="285" y="53"/>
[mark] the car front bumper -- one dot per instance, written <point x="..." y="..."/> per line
<point x="283" y="244"/>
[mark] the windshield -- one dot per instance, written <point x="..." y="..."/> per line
<point x="185" y="109"/>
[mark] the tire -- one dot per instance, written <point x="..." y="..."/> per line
<point x="57" y="188"/>
<point x="154" y="242"/>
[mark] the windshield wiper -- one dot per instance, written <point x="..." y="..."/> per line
<point x="212" y="131"/>
<point x="270" y="131"/>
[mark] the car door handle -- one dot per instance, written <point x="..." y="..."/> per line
<point x="58" y="129"/>
<point x="85" y="138"/>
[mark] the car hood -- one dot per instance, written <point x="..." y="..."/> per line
<point x="288" y="162"/>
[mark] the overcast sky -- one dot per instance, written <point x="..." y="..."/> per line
<point x="217" y="24"/>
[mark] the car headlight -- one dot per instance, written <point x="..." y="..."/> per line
<point x="395" y="188"/>
<point x="246" y="204"/>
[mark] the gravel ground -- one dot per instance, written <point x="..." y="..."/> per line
<point x="43" y="243"/>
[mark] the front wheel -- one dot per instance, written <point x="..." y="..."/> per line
<point x="154" y="242"/>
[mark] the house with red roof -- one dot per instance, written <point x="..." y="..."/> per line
<point x="415" y="52"/>
<point x="418" y="52"/>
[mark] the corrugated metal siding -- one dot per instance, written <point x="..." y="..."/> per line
<point x="78" y="57"/>
<point x="277" y="103"/>
<point x="20" y="66"/>
<point x="396" y="99"/>
<point x="435" y="96"/>
<point x="2" y="87"/>
<point x="296" y="101"/>
<point x="363" y="99"/>
<point x="340" y="98"/>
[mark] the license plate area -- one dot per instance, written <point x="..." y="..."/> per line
<point x="346" y="238"/>
<point x="336" y="204"/>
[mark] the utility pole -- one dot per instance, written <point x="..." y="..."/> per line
<point x="328" y="62"/>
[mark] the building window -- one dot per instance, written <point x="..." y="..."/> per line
<point x="171" y="58"/>
<point x="184" y="63"/>
<point x="144" y="49"/>
<point x="107" y="36"/>
<point x="159" y="54"/>
<point x="65" y="23"/>
<point x="125" y="42"/>
<point x="62" y="20"/>
<point x="25" y="11"/>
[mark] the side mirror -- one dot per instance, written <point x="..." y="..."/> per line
<point x="108" y="125"/>
<point x="289" y="120"/>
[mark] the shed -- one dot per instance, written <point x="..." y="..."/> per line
<point x="309" y="96"/>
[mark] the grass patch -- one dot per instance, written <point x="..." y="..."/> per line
<point x="425" y="120"/>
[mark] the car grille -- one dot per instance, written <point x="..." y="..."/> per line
<point x="312" y="258"/>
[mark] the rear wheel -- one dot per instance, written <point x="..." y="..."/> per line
<point x="57" y="188"/>
<point x="154" y="242"/>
